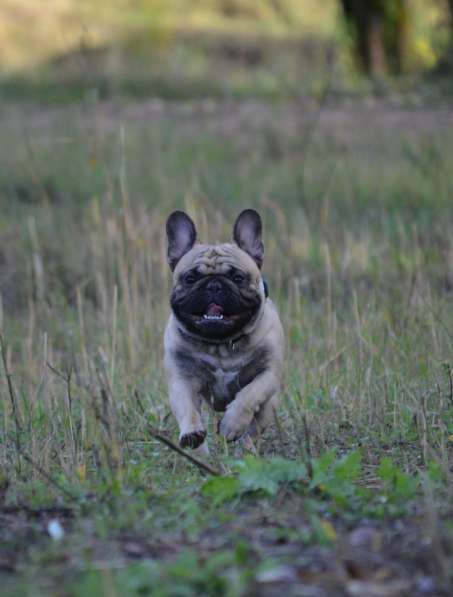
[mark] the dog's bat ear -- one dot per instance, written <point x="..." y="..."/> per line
<point x="181" y="234"/>
<point x="247" y="235"/>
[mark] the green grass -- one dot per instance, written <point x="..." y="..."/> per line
<point x="357" y="204"/>
<point x="66" y="52"/>
<point x="173" y="50"/>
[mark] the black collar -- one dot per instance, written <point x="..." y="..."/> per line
<point x="230" y="342"/>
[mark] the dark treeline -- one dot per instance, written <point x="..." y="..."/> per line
<point x="379" y="29"/>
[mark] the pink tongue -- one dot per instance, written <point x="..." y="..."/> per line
<point x="214" y="309"/>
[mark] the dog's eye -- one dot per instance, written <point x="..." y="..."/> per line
<point x="190" y="279"/>
<point x="238" y="278"/>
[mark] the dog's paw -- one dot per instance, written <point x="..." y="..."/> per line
<point x="193" y="440"/>
<point x="234" y="423"/>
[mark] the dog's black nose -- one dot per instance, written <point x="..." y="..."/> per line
<point x="214" y="285"/>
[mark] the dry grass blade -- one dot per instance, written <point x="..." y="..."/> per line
<point x="12" y="395"/>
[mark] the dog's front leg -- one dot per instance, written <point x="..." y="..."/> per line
<point x="185" y="403"/>
<point x="247" y="403"/>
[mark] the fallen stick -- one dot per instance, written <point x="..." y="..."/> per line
<point x="198" y="463"/>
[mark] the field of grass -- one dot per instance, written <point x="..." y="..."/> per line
<point x="351" y="491"/>
<point x="63" y="51"/>
<point x="171" y="49"/>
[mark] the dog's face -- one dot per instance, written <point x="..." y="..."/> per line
<point x="217" y="289"/>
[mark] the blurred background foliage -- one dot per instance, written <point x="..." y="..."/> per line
<point x="64" y="49"/>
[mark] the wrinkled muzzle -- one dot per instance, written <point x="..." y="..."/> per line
<point x="214" y="307"/>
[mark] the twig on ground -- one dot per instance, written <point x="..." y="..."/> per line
<point x="198" y="463"/>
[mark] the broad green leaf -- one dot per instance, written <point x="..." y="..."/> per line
<point x="221" y="489"/>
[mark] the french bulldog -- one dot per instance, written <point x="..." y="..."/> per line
<point x="224" y="342"/>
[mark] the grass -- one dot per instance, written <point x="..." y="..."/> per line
<point x="85" y="50"/>
<point x="351" y="491"/>
<point x="134" y="28"/>
<point x="172" y="49"/>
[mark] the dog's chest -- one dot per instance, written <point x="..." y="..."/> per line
<point x="222" y="385"/>
<point x="222" y="375"/>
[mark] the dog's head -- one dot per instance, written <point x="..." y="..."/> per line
<point x="217" y="290"/>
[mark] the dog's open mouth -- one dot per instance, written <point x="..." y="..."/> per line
<point x="214" y="312"/>
<point x="214" y="318"/>
<point x="215" y="315"/>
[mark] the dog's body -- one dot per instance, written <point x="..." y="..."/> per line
<point x="224" y="340"/>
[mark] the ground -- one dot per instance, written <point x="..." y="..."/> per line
<point x="350" y="493"/>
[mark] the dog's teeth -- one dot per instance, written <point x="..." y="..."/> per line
<point x="212" y="317"/>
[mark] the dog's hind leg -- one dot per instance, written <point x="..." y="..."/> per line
<point x="264" y="417"/>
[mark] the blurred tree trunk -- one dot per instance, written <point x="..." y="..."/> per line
<point x="450" y="6"/>
<point x="445" y="65"/>
<point x="379" y="28"/>
<point x="366" y="24"/>
<point x="402" y="21"/>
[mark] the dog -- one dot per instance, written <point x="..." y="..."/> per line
<point x="224" y="341"/>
